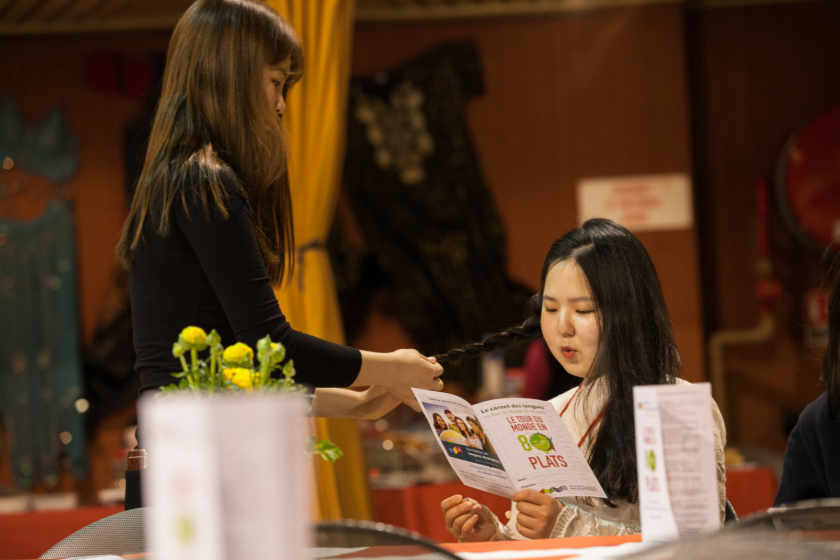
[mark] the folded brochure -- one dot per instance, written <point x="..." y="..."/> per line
<point x="506" y="445"/>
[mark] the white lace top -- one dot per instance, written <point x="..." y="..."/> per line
<point x="578" y="519"/>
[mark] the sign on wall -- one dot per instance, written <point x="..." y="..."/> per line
<point x="639" y="203"/>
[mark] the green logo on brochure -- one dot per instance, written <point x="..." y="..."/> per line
<point x="541" y="442"/>
<point x="651" y="460"/>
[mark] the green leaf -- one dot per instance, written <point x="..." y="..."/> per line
<point x="328" y="451"/>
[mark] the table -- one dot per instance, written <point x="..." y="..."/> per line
<point x="543" y="549"/>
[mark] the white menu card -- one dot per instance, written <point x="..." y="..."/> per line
<point x="675" y="458"/>
<point x="227" y="477"/>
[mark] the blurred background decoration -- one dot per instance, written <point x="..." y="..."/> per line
<point x="41" y="399"/>
<point x="542" y="94"/>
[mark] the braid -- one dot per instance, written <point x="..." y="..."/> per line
<point x="527" y="331"/>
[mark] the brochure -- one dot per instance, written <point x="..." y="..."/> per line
<point x="675" y="454"/>
<point x="506" y="445"/>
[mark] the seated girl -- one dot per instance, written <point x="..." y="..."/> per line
<point x="601" y="311"/>
<point x="812" y="458"/>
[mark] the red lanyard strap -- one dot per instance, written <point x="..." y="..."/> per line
<point x="594" y="422"/>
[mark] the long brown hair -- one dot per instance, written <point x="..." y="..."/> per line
<point x="213" y="115"/>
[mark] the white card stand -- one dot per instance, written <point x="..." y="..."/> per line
<point x="675" y="458"/>
<point x="227" y="477"/>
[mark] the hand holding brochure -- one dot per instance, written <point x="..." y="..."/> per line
<point x="505" y="445"/>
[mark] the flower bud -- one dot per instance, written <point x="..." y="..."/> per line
<point x="278" y="352"/>
<point x="238" y="354"/>
<point x="178" y="350"/>
<point x="213" y="338"/>
<point x="241" y="377"/>
<point x="193" y="337"/>
<point x="263" y="347"/>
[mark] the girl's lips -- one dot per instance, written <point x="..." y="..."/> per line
<point x="567" y="352"/>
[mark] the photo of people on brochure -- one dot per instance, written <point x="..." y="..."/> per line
<point x="462" y="434"/>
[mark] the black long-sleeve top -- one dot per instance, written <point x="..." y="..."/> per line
<point x="208" y="272"/>
<point x="812" y="457"/>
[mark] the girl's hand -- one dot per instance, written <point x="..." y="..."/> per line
<point x="538" y="513"/>
<point x="400" y="371"/>
<point x="376" y="403"/>
<point x="369" y="404"/>
<point x="467" y="520"/>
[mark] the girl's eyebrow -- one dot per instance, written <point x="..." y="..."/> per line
<point x="573" y="300"/>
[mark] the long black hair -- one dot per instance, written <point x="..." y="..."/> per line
<point x="831" y="359"/>
<point x="636" y="345"/>
<point x="213" y="117"/>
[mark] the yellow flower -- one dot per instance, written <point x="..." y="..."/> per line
<point x="241" y="377"/>
<point x="238" y="353"/>
<point x="194" y="336"/>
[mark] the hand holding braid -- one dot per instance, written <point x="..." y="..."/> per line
<point x="526" y="332"/>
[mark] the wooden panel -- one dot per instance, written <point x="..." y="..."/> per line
<point x="757" y="74"/>
<point x="593" y="94"/>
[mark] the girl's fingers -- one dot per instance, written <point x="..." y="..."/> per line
<point x="450" y="502"/>
<point x="469" y="525"/>
<point x="527" y="521"/>
<point x="459" y="510"/>
<point x="525" y="532"/>
<point x="458" y="523"/>
<point x="529" y="509"/>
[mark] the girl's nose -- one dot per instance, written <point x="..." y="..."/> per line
<point x="566" y="326"/>
<point x="280" y="107"/>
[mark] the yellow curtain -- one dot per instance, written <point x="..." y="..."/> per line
<point x="315" y="117"/>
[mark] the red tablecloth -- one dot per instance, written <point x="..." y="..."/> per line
<point x="417" y="508"/>
<point x="543" y="544"/>
<point x="29" y="535"/>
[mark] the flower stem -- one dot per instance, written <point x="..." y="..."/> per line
<point x="194" y="369"/>
<point x="212" y="370"/>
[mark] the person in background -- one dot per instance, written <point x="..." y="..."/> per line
<point x="485" y="442"/>
<point x="440" y="423"/>
<point x="451" y="418"/>
<point x="812" y="458"/>
<point x="601" y="311"/>
<point x="209" y="233"/>
<point x="472" y="438"/>
<point x="545" y="377"/>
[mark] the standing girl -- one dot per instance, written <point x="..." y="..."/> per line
<point x="601" y="311"/>
<point x="209" y="232"/>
